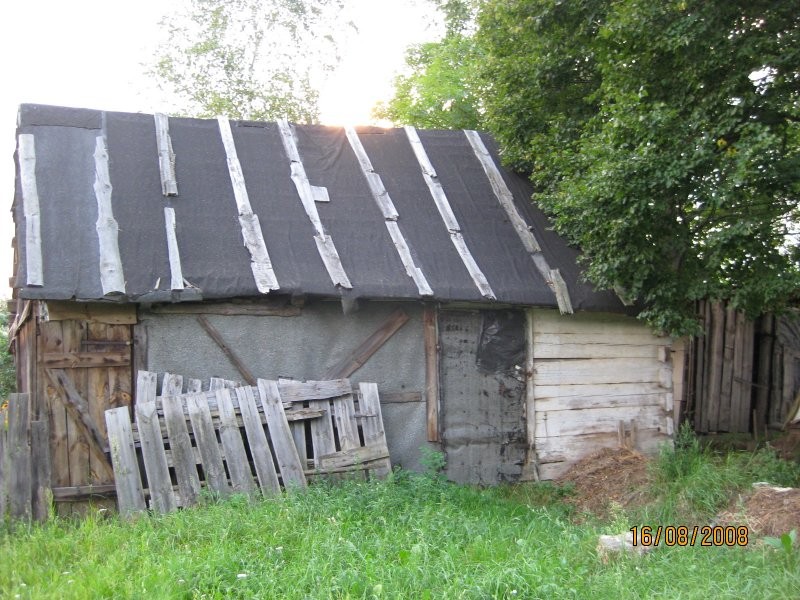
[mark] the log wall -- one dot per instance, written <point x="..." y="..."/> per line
<point x="598" y="381"/>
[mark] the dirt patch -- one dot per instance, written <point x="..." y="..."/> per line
<point x="766" y="511"/>
<point x="612" y="476"/>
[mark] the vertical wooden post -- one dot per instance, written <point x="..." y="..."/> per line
<point x="431" y="339"/>
<point x="19" y="452"/>
<point x="40" y="458"/>
<point x="711" y="417"/>
<point x="766" y="341"/>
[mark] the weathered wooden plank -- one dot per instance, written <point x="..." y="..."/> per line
<point x="361" y="457"/>
<point x="748" y="376"/>
<point x="40" y="472"/>
<point x="432" y="399"/>
<point x="333" y="264"/>
<point x="726" y="386"/>
<point x="580" y="350"/>
<point x="264" y="308"/>
<point x="30" y="205"/>
<point x="175" y="269"/>
<point x="581" y="422"/>
<point x="108" y="313"/>
<point x="235" y="455"/>
<point x="356" y="359"/>
<point x="322" y="436"/>
<point x="285" y="451"/>
<point x="738" y="376"/>
<point x="344" y="414"/>
<point x="128" y="481"/>
<point x="194" y="386"/>
<point x="257" y="440"/>
<point x="50" y="339"/>
<point x="404" y="251"/>
<point x="171" y="385"/>
<point x="766" y="342"/>
<point x="569" y="449"/>
<point x="19" y="453"/>
<point x="298" y="429"/>
<point x="598" y="340"/>
<point x="252" y="234"/>
<point x="84" y="492"/>
<point x="717" y="349"/>
<point x="568" y="390"/>
<point x="548" y="321"/>
<point x="601" y="401"/>
<point x="303" y="391"/>
<point x="155" y="459"/>
<point x="446" y="212"/>
<point x="215" y="335"/>
<point x="83" y="360"/>
<point x="183" y="458"/>
<point x="4" y="466"/>
<point x="602" y="370"/>
<point x="112" y="277"/>
<point x="78" y="409"/>
<point x="530" y="470"/>
<point x="146" y="386"/>
<point x="207" y="444"/>
<point x="166" y="155"/>
<point x="372" y="425"/>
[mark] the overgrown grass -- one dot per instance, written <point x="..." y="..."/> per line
<point x="692" y="483"/>
<point x="409" y="537"/>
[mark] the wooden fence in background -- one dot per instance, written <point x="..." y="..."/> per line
<point x="741" y="376"/>
<point x="24" y="463"/>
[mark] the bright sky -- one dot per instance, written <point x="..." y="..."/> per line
<point x="90" y="54"/>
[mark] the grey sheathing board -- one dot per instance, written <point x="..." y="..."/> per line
<point x="214" y="260"/>
<point x="304" y="347"/>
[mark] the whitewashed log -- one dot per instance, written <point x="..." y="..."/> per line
<point x="389" y="212"/>
<point x="575" y="349"/>
<point x="111" y="276"/>
<point x="612" y="337"/>
<point x="597" y="420"/>
<point x="601" y="401"/>
<point x="550" y="321"/>
<point x="571" y="448"/>
<point x="601" y="370"/>
<point x="253" y="237"/>
<point x="308" y="197"/>
<point x="529" y="241"/>
<point x="446" y="213"/>
<point x="571" y="390"/>
<point x="175" y="270"/>
<point x="166" y="156"/>
<point x="30" y="205"/>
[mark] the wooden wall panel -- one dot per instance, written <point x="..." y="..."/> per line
<point x="592" y="372"/>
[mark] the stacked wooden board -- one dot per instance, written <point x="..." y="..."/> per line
<point x="240" y="439"/>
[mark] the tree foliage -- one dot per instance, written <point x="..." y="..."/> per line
<point x="441" y="88"/>
<point x="250" y="59"/>
<point x="663" y="138"/>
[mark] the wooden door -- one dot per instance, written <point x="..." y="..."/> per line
<point x="482" y="396"/>
<point x="84" y="369"/>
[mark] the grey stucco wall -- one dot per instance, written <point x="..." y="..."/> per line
<point x="304" y="347"/>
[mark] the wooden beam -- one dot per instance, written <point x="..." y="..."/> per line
<point x="110" y="264"/>
<point x="446" y="212"/>
<point x="108" y="313"/>
<point x="76" y="360"/>
<point x="78" y="409"/>
<point x="431" y="341"/>
<point x="356" y="359"/>
<point x="232" y="356"/>
<point x="260" y="262"/>
<point x="19" y="457"/>
<point x="166" y="156"/>
<point x="265" y="309"/>
<point x="30" y="205"/>
<point x="83" y="492"/>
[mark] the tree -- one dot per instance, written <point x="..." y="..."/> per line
<point x="441" y="89"/>
<point x="250" y="59"/>
<point x="662" y="137"/>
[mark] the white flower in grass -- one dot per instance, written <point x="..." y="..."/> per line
<point x="241" y="576"/>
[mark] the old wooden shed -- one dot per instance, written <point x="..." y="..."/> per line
<point x="243" y="249"/>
